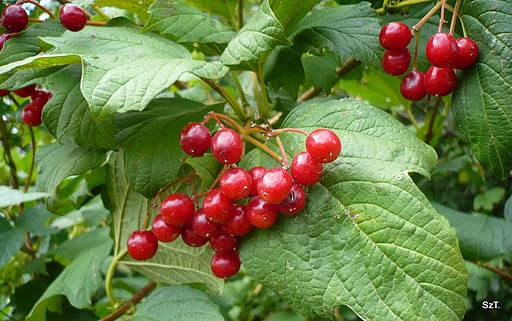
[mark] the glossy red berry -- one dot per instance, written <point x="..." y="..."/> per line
<point x="202" y="225"/>
<point x="222" y="242"/>
<point x="440" y="81"/>
<point x="32" y="114"/>
<point x="177" y="209"/>
<point x="26" y="91"/>
<point x="142" y="245"/>
<point x="236" y="183"/>
<point x="323" y="145"/>
<point x="225" y="264"/>
<point x="14" y="18"/>
<point x="396" y="62"/>
<point x="191" y="238"/>
<point x="395" y="36"/>
<point x="227" y="146"/>
<point x="256" y="174"/>
<point x="442" y="50"/>
<point x="4" y="92"/>
<point x="217" y="206"/>
<point x="239" y="224"/>
<point x="41" y="97"/>
<point x="195" y="139"/>
<point x="467" y="54"/>
<point x="275" y="185"/>
<point x="295" y="202"/>
<point x="3" y="38"/>
<point x="261" y="214"/>
<point x="305" y="170"/>
<point x="412" y="86"/>
<point x="163" y="231"/>
<point x="73" y="17"/>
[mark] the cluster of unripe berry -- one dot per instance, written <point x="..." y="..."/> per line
<point x="33" y="111"/>
<point x="444" y="52"/>
<point x="243" y="200"/>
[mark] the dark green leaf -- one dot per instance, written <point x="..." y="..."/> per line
<point x="321" y="70"/>
<point x="284" y="70"/>
<point x="206" y="167"/>
<point x="289" y="12"/>
<point x="224" y="8"/>
<point x="11" y="240"/>
<point x="508" y="209"/>
<point x="11" y="197"/>
<point x="36" y="221"/>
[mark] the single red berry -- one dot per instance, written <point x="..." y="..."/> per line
<point x="177" y="209"/>
<point x="195" y="139"/>
<point x="323" y="145"/>
<point x="218" y="207"/>
<point x="4" y="92"/>
<point x="396" y="62"/>
<point x="202" y="225"/>
<point x="239" y="224"/>
<point x="41" y="97"/>
<point x="14" y="18"/>
<point x="142" y="245"/>
<point x="222" y="242"/>
<point x="225" y="264"/>
<point x="26" y="91"/>
<point x="467" y="54"/>
<point x="295" y="202"/>
<point x="191" y="238"/>
<point x="260" y="213"/>
<point x="442" y="50"/>
<point x="275" y="186"/>
<point x="256" y="174"/>
<point x="227" y="146"/>
<point x="73" y="17"/>
<point x="395" y="36"/>
<point x="163" y="231"/>
<point x="440" y="81"/>
<point x="32" y="114"/>
<point x="305" y="170"/>
<point x="236" y="183"/>
<point x="412" y="86"/>
<point x="3" y="38"/>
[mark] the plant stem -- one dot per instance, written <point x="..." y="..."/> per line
<point x="32" y="160"/>
<point x="264" y="108"/>
<point x="416" y="46"/>
<point x="240" y="14"/>
<point x="289" y="130"/>
<point x="110" y="274"/>
<point x="496" y="270"/>
<point x="229" y="99"/>
<point x="401" y="5"/>
<point x="441" y="19"/>
<point x="40" y="6"/>
<point x="429" y="134"/>
<point x="417" y="27"/>
<point x="7" y="153"/>
<point x="240" y="89"/>
<point x="89" y="22"/>
<point x="139" y="295"/>
<point x="263" y="147"/>
<point x="454" y="16"/>
<point x="412" y="119"/>
<point x="282" y="151"/>
<point x="100" y="12"/>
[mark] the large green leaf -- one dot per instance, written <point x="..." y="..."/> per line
<point x="369" y="238"/>
<point x="224" y="8"/>
<point x="11" y="197"/>
<point x="139" y="7"/>
<point x="481" y="104"/>
<point x="186" y="24"/>
<point x="262" y="33"/>
<point x="11" y="240"/>
<point x="177" y="303"/>
<point x="150" y="166"/>
<point x="289" y="12"/>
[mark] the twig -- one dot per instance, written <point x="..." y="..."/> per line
<point x="7" y="152"/>
<point x="432" y="118"/>
<point x="417" y="27"/>
<point x="110" y="274"/>
<point x="240" y="14"/>
<point x="100" y="12"/>
<point x="32" y="160"/>
<point x="229" y="99"/>
<point x="282" y="151"/>
<point x="40" y="6"/>
<point x="263" y="147"/>
<point x="454" y="16"/>
<point x="496" y="270"/>
<point x="441" y="19"/>
<point x="139" y="295"/>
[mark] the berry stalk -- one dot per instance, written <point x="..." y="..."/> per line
<point x="37" y="4"/>
<point x="454" y="16"/>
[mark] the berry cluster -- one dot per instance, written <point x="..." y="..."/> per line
<point x="33" y="111"/>
<point x="243" y="200"/>
<point x="444" y="52"/>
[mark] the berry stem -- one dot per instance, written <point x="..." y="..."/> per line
<point x="289" y="130"/>
<point x="417" y="27"/>
<point x="400" y="5"/>
<point x="37" y="4"/>
<point x="229" y="99"/>
<point x="432" y="119"/>
<point x="240" y="7"/>
<point x="441" y="19"/>
<point x="412" y="118"/>
<point x="110" y="274"/>
<point x="283" y="152"/>
<point x="125" y="307"/>
<point x="6" y="141"/>
<point x="263" y="147"/>
<point x="416" y="49"/>
<point x="100" y="12"/>
<point x="33" y="158"/>
<point x="454" y="16"/>
<point x="89" y="22"/>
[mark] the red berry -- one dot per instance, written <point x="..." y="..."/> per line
<point x="256" y="174"/>
<point x="239" y="224"/>
<point x="236" y="183"/>
<point x="323" y="145"/>
<point x="261" y="213"/>
<point x="3" y="38"/>
<point x="412" y="86"/>
<point x="396" y="62"/>
<point x="305" y="170"/>
<point x="395" y="36"/>
<point x="14" y="18"/>
<point x="73" y="17"/>
<point x="275" y="186"/>
<point x="177" y="209"/>
<point x="32" y="114"/>
<point x="195" y="139"/>
<point x="442" y="50"/>
<point x="218" y="207"/>
<point x="225" y="264"/>
<point x="440" y="81"/>
<point x="26" y="91"/>
<point x="202" y="225"/>
<point x="164" y="232"/>
<point x="142" y="245"/>
<point x="227" y="146"/>
<point x="223" y="243"/>
<point x="467" y="54"/>
<point x="295" y="202"/>
<point x="40" y="97"/>
<point x="191" y="238"/>
<point x="4" y="92"/>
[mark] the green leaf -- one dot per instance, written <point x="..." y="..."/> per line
<point x="55" y="162"/>
<point x="177" y="303"/>
<point x="481" y="104"/>
<point x="36" y="221"/>
<point x="368" y="238"/>
<point x="11" y="197"/>
<point x="289" y="12"/>
<point x="321" y="70"/>
<point x="80" y="280"/>
<point x="73" y="248"/>
<point x="260" y="34"/>
<point x="224" y="8"/>
<point x="90" y="214"/>
<point x="488" y="199"/>
<point x="481" y="237"/>
<point x="507" y="213"/>
<point x="139" y="7"/>
<point x="186" y="24"/>
<point x="284" y="70"/>
<point x="206" y="167"/>
<point x="151" y="166"/>
<point x="11" y="240"/>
